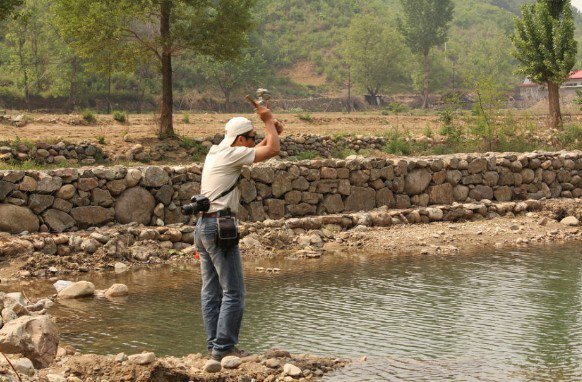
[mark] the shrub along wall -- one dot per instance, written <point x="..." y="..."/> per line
<point x="69" y="199"/>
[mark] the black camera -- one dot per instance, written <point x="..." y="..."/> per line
<point x="198" y="203"/>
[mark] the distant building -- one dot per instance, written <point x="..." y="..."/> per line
<point x="530" y="91"/>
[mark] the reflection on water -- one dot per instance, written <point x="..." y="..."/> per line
<point x="484" y="317"/>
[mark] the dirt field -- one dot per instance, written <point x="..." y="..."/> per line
<point x="142" y="127"/>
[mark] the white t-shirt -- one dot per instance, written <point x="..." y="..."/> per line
<point x="221" y="169"/>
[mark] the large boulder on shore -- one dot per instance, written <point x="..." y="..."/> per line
<point x="135" y="205"/>
<point x="37" y="338"/>
<point x="15" y="219"/>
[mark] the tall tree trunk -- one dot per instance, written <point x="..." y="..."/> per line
<point x="109" y="90"/>
<point x="226" y="100"/>
<point x="138" y="82"/>
<point x="373" y="93"/>
<point x="22" y="62"/>
<point x="166" y="125"/>
<point x="555" y="121"/>
<point x="425" y="80"/>
<point x="72" y="101"/>
<point x="349" y="89"/>
<point x="36" y="63"/>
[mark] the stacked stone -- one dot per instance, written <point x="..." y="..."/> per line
<point x="70" y="199"/>
<point x="84" y="153"/>
<point x="323" y="146"/>
<point x="143" y="244"/>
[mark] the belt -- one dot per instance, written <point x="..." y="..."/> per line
<point x="216" y="214"/>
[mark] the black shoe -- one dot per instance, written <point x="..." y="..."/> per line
<point x="234" y="351"/>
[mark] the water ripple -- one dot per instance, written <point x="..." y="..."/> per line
<point x="485" y="317"/>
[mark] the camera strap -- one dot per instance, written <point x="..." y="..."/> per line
<point x="229" y="190"/>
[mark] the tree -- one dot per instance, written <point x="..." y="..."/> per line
<point x="376" y="56"/>
<point x="424" y="25"/>
<point x="7" y="6"/>
<point x="545" y="48"/>
<point x="160" y="28"/>
<point x="233" y="75"/>
<point x="28" y="54"/>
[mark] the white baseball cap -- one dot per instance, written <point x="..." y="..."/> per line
<point x="233" y="128"/>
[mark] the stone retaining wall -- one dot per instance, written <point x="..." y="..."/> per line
<point x="69" y="199"/>
<point x="324" y="146"/>
<point x="84" y="153"/>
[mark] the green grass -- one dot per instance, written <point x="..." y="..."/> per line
<point x="199" y="149"/>
<point x="305" y="117"/>
<point x="120" y="116"/>
<point x="32" y="165"/>
<point x="571" y="136"/>
<point x="306" y="155"/>
<point x="88" y="116"/>
<point x="343" y="153"/>
<point x="101" y="139"/>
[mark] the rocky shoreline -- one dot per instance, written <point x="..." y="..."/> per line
<point x="435" y="230"/>
<point x="122" y="246"/>
<point x="30" y="342"/>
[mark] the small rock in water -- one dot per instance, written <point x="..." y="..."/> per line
<point x="61" y="284"/>
<point x="230" y="362"/>
<point x="291" y="370"/>
<point x="78" y="289"/>
<point x="212" y="366"/>
<point x="571" y="221"/>
<point x="117" y="290"/>
<point x="120" y="267"/>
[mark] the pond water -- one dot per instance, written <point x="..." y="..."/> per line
<point x="491" y="316"/>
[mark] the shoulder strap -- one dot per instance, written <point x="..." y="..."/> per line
<point x="230" y="189"/>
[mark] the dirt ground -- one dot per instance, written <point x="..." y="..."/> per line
<point x="142" y="127"/>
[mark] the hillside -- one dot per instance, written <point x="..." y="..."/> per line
<point x="312" y="31"/>
<point x="297" y="50"/>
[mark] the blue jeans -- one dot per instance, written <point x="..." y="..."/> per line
<point x="223" y="289"/>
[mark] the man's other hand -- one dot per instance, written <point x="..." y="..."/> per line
<point x="264" y="113"/>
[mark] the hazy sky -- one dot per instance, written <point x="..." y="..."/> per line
<point x="577" y="4"/>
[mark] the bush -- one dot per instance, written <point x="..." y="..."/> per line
<point x="397" y="107"/>
<point x="307" y="155"/>
<point x="397" y="144"/>
<point x="101" y="139"/>
<point x="186" y="118"/>
<point x="120" y="116"/>
<point x="199" y="149"/>
<point x="305" y="117"/>
<point x="428" y="132"/>
<point x="571" y="136"/>
<point x="88" y="116"/>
